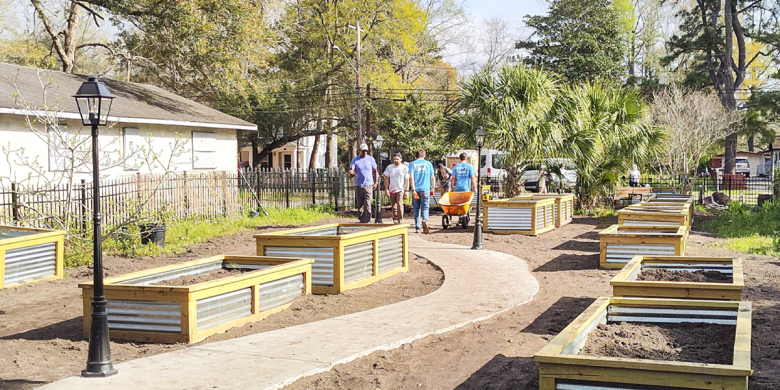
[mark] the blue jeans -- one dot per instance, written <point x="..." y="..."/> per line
<point x="420" y="206"/>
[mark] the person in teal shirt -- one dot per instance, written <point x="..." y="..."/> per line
<point x="422" y="190"/>
<point x="464" y="177"/>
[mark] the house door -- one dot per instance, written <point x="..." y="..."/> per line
<point x="287" y="161"/>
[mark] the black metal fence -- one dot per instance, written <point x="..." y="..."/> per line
<point x="182" y="195"/>
<point x="737" y="187"/>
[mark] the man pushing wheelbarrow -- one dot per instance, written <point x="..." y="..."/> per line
<point x="458" y="202"/>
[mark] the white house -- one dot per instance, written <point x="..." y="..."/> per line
<point x="150" y="130"/>
<point x="296" y="155"/>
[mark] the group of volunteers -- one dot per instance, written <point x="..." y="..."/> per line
<point x="418" y="178"/>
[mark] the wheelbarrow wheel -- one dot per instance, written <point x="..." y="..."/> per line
<point x="445" y="221"/>
<point x="464" y="221"/>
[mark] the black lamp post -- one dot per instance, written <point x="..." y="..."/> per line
<point x="377" y="143"/>
<point x="94" y="102"/>
<point x="480" y="138"/>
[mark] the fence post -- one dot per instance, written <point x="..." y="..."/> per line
<point x="313" y="177"/>
<point x="14" y="204"/>
<point x="288" y="187"/>
<point x="224" y="194"/>
<point x="83" y="202"/>
<point x="333" y="190"/>
<point x="701" y="192"/>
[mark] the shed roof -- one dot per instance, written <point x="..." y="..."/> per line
<point x="134" y="102"/>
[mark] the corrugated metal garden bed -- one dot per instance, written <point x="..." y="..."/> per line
<point x="139" y="310"/>
<point x="563" y="210"/>
<point x="647" y="215"/>
<point x="562" y="367"/>
<point x="625" y="283"/>
<point x="346" y="256"/>
<point x="30" y="255"/>
<point x="619" y="243"/>
<point x="521" y="215"/>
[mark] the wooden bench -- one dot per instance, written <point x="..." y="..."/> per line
<point x="628" y="194"/>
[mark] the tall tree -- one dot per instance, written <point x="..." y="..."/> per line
<point x="581" y="40"/>
<point x="716" y="32"/>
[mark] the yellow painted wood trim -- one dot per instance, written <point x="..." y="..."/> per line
<point x="569" y="333"/>
<point x="634" y="376"/>
<point x="42" y="234"/>
<point x="2" y="267"/>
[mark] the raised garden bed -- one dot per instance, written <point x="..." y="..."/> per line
<point x="142" y="308"/>
<point x="564" y="366"/>
<point x="30" y="255"/>
<point x="637" y="215"/>
<point x="521" y="215"/>
<point x="626" y="283"/>
<point x="661" y="203"/>
<point x="672" y="198"/>
<point x="620" y="243"/>
<point x="346" y="256"/>
<point x="563" y="203"/>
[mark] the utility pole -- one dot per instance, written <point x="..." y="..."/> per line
<point x="368" y="111"/>
<point x="361" y="139"/>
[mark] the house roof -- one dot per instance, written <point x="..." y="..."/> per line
<point x="134" y="102"/>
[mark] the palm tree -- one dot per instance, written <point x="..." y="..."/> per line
<point x="606" y="129"/>
<point x="514" y="106"/>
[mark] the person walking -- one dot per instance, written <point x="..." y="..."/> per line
<point x="464" y="177"/>
<point x="422" y="190"/>
<point x="397" y="185"/>
<point x="363" y="169"/>
<point x="444" y="175"/>
<point x="541" y="183"/>
<point x="633" y="176"/>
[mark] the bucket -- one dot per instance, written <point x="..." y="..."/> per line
<point x="254" y="214"/>
<point x="152" y="233"/>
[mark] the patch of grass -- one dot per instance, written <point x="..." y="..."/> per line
<point x="599" y="212"/>
<point x="182" y="234"/>
<point x="747" y="229"/>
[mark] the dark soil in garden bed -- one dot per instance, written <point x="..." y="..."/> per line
<point x="665" y="275"/>
<point x="693" y="343"/>
<point x="188" y="280"/>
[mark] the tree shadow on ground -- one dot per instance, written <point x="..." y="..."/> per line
<point x="569" y="262"/>
<point x="71" y="330"/>
<point x="579" y="246"/>
<point x="594" y="235"/>
<point x="502" y="372"/>
<point x="14" y="384"/>
<point x="558" y="316"/>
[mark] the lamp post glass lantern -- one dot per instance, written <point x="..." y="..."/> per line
<point x="377" y="144"/>
<point x="94" y="103"/>
<point x="479" y="137"/>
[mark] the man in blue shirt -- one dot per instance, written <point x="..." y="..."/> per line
<point x="464" y="177"/>
<point x="363" y="169"/>
<point x="422" y="190"/>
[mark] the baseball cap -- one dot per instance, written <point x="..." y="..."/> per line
<point x="363" y="147"/>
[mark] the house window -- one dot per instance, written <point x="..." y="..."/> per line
<point x="288" y="161"/>
<point x="204" y="150"/>
<point x="132" y="149"/>
<point x="60" y="155"/>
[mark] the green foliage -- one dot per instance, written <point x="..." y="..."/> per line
<point x="581" y="40"/>
<point x="533" y="116"/>
<point x="747" y="228"/>
<point x="417" y="124"/>
<point x="182" y="234"/>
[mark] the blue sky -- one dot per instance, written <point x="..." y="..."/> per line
<point x="514" y="10"/>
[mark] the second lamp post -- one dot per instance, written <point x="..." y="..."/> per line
<point x="480" y="138"/>
<point x="377" y="144"/>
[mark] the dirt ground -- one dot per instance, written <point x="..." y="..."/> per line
<point x="46" y="344"/>
<point x="41" y="323"/>
<point x="697" y="343"/>
<point x="498" y="353"/>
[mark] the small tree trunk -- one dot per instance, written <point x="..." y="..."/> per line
<point x="314" y="151"/>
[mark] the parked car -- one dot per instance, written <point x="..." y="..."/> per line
<point x="491" y="165"/>
<point x="742" y="166"/>
<point x="568" y="173"/>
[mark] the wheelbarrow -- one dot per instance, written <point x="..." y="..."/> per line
<point x="455" y="204"/>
